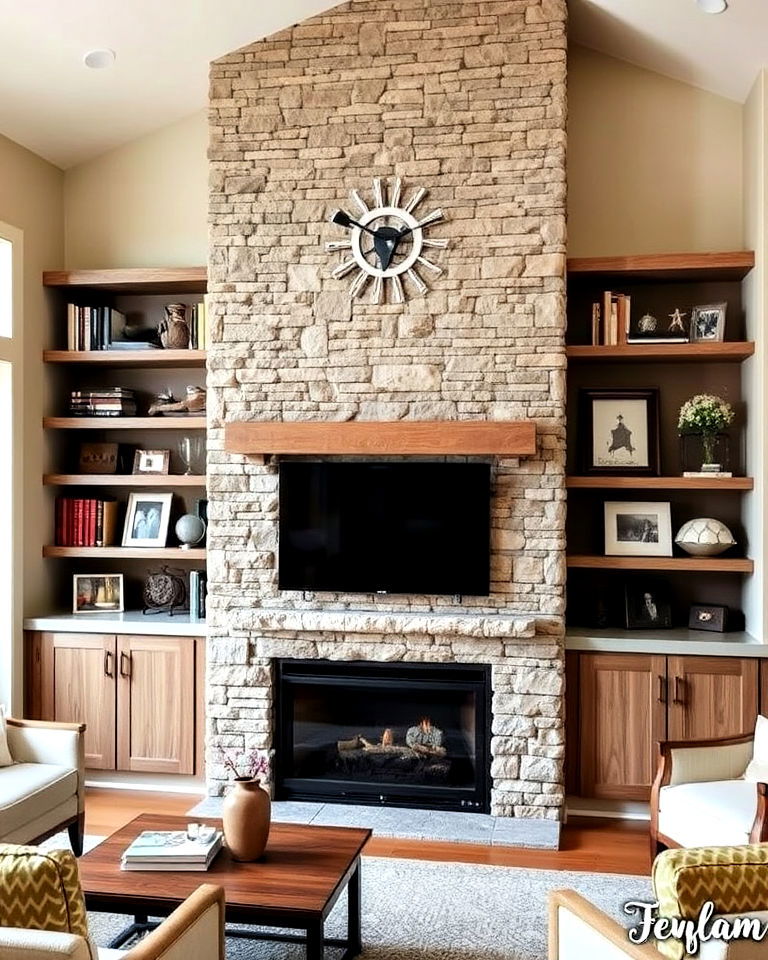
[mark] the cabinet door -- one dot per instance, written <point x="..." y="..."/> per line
<point x="623" y="714"/>
<point x="711" y="697"/>
<point x="77" y="672"/>
<point x="156" y="704"/>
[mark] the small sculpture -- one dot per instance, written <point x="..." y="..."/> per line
<point x="173" y="329"/>
<point x="647" y="323"/>
<point x="193" y="403"/>
<point x="165" y="591"/>
<point x="676" y="326"/>
<point x="190" y="529"/>
<point x="704" y="537"/>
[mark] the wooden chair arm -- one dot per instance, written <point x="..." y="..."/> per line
<point x="44" y="725"/>
<point x="613" y="937"/>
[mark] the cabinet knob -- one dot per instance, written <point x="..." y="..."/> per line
<point x="109" y="669"/>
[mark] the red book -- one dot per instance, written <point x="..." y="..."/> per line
<point x="66" y="539"/>
<point x="78" y="526"/>
<point x="92" y="524"/>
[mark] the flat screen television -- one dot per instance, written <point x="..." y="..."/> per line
<point x="385" y="527"/>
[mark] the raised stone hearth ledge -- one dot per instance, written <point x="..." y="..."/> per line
<point x="277" y="619"/>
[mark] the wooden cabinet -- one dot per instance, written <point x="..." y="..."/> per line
<point x="711" y="697"/>
<point x="628" y="702"/>
<point x="137" y="695"/>
<point x="622" y="716"/>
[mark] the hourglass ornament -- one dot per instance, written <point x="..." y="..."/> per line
<point x="191" y="452"/>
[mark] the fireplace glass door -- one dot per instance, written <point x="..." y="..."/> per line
<point x="395" y="734"/>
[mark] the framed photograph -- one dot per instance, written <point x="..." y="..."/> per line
<point x="146" y="519"/>
<point x="98" y="458"/>
<point x="97" y="593"/>
<point x="708" y="323"/>
<point x="151" y="461"/>
<point x="647" y="607"/>
<point x="708" y="616"/>
<point x="638" y="529"/>
<point x="620" y="431"/>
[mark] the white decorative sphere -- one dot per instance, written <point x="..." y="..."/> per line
<point x="190" y="530"/>
<point x="704" y="537"/>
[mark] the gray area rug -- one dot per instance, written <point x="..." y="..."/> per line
<point x="422" y="910"/>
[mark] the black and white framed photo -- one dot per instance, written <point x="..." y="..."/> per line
<point x="97" y="593"/>
<point x="708" y="323"/>
<point x="620" y="431"/>
<point x="647" y="606"/>
<point x="147" y="519"/>
<point x="638" y="529"/>
<point x="151" y="461"/>
<point x="708" y="616"/>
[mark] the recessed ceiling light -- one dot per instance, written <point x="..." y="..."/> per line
<point x="712" y="6"/>
<point x="99" y="59"/>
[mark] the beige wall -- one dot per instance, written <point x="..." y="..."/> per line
<point x="31" y="199"/>
<point x="143" y="204"/>
<point x="653" y="164"/>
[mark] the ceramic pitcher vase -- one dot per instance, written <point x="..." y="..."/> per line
<point x="247" y="815"/>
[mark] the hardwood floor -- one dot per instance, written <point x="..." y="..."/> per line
<point x="589" y="844"/>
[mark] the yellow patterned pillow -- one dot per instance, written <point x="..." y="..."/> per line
<point x="735" y="879"/>
<point x="41" y="891"/>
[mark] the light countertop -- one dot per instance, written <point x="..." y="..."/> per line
<point x="132" y="621"/>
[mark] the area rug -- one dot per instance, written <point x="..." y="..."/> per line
<point x="423" y="910"/>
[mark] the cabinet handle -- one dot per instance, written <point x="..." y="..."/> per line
<point x="108" y="666"/>
<point x="678" y="698"/>
<point x="125" y="657"/>
<point x="662" y="689"/>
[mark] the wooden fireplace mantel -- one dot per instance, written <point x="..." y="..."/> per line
<point x="516" y="438"/>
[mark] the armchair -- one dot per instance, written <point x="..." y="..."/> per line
<point x="43" y="791"/>
<point x="700" y="799"/>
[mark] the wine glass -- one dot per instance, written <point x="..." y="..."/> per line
<point x="191" y="451"/>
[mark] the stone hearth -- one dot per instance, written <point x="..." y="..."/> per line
<point x="466" y="100"/>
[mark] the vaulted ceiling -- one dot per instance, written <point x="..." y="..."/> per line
<point x="52" y="104"/>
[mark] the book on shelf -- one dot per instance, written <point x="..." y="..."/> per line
<point x="611" y="319"/>
<point x="112" y="402"/>
<point x="198" y="589"/>
<point x="92" y="328"/>
<point x="85" y="522"/>
<point x="170" y="850"/>
<point x="198" y="326"/>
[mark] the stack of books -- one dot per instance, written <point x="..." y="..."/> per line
<point x="110" y="402"/>
<point x="95" y="328"/>
<point x="85" y="522"/>
<point x="611" y="320"/>
<point x="170" y="850"/>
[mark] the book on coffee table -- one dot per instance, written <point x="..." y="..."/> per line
<point x="170" y="850"/>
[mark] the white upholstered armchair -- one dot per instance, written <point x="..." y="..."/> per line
<point x="700" y="797"/>
<point x="43" y="790"/>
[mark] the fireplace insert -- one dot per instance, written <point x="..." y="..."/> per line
<point x="396" y="734"/>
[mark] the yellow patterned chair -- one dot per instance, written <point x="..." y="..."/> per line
<point x="734" y="879"/>
<point x="43" y="916"/>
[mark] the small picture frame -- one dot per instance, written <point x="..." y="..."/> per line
<point x="98" y="458"/>
<point x="154" y="462"/>
<point x="620" y="432"/>
<point x="708" y="323"/>
<point x="97" y="593"/>
<point x="646" y="607"/>
<point x="147" y="519"/>
<point x="708" y="616"/>
<point x="638" y="529"/>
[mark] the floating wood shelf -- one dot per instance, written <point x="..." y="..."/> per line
<point x="124" y="480"/>
<point x="700" y="564"/>
<point x="733" y="352"/>
<point x="733" y="265"/>
<point x="128" y="358"/>
<point x="125" y="553"/>
<point x="133" y="280"/>
<point x="462" y="437"/>
<point x="124" y="423"/>
<point x="660" y="483"/>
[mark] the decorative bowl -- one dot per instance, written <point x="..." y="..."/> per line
<point x="704" y="537"/>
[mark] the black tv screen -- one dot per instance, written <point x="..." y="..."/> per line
<point x="385" y="527"/>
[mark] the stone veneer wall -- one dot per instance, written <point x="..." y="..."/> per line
<point x="468" y="100"/>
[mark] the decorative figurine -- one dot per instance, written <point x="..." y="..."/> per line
<point x="173" y="329"/>
<point x="194" y="402"/>
<point x="647" y="323"/>
<point x="704" y="537"/>
<point x="676" y="326"/>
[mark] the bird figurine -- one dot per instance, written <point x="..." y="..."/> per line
<point x="193" y="403"/>
<point x="173" y="328"/>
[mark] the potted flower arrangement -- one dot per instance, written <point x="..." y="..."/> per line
<point x="706" y="417"/>
<point x="247" y="809"/>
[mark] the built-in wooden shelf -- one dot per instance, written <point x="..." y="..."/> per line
<point x="128" y="358"/>
<point x="462" y="437"/>
<point x="733" y="265"/>
<point x="700" y="564"/>
<point x="133" y="280"/>
<point x="125" y="553"/>
<point x="124" y="423"/>
<point x="728" y="352"/>
<point x="124" y="480"/>
<point x="659" y="483"/>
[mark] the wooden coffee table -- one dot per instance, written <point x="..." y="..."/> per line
<point x="294" y="887"/>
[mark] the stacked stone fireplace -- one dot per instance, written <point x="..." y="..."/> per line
<point x="465" y="99"/>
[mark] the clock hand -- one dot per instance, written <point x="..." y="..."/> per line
<point x="344" y="220"/>
<point x="430" y="218"/>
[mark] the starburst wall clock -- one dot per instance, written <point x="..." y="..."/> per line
<point x="386" y="244"/>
